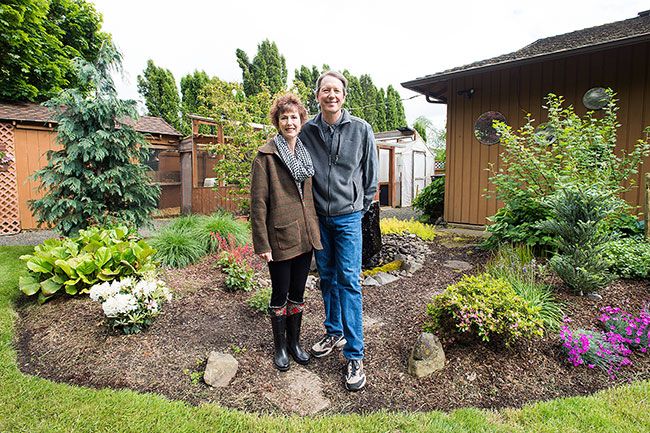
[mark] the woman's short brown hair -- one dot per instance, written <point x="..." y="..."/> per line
<point x="284" y="103"/>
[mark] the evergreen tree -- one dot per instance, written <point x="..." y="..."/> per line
<point x="191" y="87"/>
<point x="97" y="177"/>
<point x="39" y="39"/>
<point x="380" y="108"/>
<point x="369" y="100"/>
<point x="398" y="117"/>
<point x="305" y="82"/>
<point x="392" y="121"/>
<point x="354" y="97"/>
<point x="158" y="87"/>
<point x="268" y="69"/>
<point x="422" y="125"/>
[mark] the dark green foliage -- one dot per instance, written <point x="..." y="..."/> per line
<point x="576" y="223"/>
<point x="395" y="117"/>
<point x="380" y="109"/>
<point x="517" y="222"/>
<point x="628" y="257"/>
<point x="369" y="101"/>
<point x="431" y="200"/>
<point x="158" y="87"/>
<point x="305" y="80"/>
<point x="39" y="39"/>
<point x="97" y="177"/>
<point x="484" y="307"/>
<point x="74" y="265"/>
<point x="622" y="224"/>
<point x="191" y="87"/>
<point x="268" y="69"/>
<point x="260" y="300"/>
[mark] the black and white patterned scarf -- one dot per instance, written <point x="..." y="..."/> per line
<point x="299" y="163"/>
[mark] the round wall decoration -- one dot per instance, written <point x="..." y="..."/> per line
<point x="483" y="129"/>
<point x="596" y="98"/>
<point x="544" y="134"/>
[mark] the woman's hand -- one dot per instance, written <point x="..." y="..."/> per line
<point x="267" y="257"/>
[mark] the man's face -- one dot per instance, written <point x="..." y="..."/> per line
<point x="331" y="95"/>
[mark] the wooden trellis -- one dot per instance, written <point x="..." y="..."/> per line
<point x="9" y="214"/>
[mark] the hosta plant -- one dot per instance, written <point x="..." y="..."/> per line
<point x="130" y="305"/>
<point x="73" y="265"/>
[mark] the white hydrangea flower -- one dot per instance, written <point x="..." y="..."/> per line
<point x="144" y="288"/>
<point x="121" y="303"/>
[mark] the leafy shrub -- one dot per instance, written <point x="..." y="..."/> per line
<point x="260" y="300"/>
<point x="517" y="265"/>
<point x="485" y="307"/>
<point x="628" y="257"/>
<point x="393" y="225"/>
<point x="577" y="224"/>
<point x="431" y="200"/>
<point x="177" y="248"/>
<point x="238" y="263"/>
<point x="634" y="330"/>
<point x="517" y="222"/>
<point x="131" y="305"/>
<point x="595" y="349"/>
<point x="621" y="224"/>
<point x="75" y="264"/>
<point x="533" y="165"/>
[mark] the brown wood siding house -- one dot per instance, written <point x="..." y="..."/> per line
<point x="27" y="132"/>
<point x="615" y="55"/>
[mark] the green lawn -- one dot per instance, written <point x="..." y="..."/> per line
<point x="30" y="404"/>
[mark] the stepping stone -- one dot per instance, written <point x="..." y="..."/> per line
<point x="371" y="323"/>
<point x="298" y="391"/>
<point x="457" y="265"/>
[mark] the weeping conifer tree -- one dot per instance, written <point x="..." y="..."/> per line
<point x="98" y="176"/>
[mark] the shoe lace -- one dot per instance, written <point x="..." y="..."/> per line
<point x="353" y="367"/>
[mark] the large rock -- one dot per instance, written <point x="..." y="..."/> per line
<point x="371" y="233"/>
<point x="220" y="369"/>
<point x="298" y="391"/>
<point x="384" y="278"/>
<point x="457" y="265"/>
<point x="427" y="356"/>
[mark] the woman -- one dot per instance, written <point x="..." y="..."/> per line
<point x="285" y="225"/>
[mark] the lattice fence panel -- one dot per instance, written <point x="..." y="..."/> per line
<point x="9" y="214"/>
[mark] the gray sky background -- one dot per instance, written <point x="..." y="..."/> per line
<point x="393" y="41"/>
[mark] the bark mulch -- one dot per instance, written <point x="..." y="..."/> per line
<point x="65" y="340"/>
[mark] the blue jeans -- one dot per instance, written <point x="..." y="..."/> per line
<point x="339" y="266"/>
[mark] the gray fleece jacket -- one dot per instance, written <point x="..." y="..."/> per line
<point x="346" y="172"/>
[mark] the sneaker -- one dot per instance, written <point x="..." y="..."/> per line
<point x="355" y="378"/>
<point x="326" y="344"/>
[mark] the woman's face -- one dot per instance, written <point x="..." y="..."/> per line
<point x="289" y="123"/>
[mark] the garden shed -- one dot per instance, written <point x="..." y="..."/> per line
<point x="576" y="65"/>
<point x="412" y="163"/>
<point x="28" y="131"/>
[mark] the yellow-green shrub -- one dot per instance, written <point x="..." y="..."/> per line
<point x="388" y="267"/>
<point x="485" y="307"/>
<point x="393" y="225"/>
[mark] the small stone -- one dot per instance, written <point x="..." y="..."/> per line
<point x="471" y="377"/>
<point x="370" y="282"/>
<point x="427" y="356"/>
<point x="384" y="278"/>
<point x="220" y="369"/>
<point x="594" y="296"/>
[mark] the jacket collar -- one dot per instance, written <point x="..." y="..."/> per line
<point x="270" y="147"/>
<point x="315" y="121"/>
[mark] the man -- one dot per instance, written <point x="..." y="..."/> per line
<point x="344" y="155"/>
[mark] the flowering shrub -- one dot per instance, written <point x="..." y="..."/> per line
<point x="237" y="262"/>
<point x="130" y="305"/>
<point x="5" y="160"/>
<point x="634" y="331"/>
<point x="486" y="307"/>
<point x="606" y="351"/>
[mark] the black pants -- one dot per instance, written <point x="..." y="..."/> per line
<point x="288" y="278"/>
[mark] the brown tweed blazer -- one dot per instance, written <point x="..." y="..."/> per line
<point x="282" y="222"/>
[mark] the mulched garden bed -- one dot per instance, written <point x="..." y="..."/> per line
<point x="65" y="341"/>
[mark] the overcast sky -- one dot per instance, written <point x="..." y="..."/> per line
<point x="393" y="41"/>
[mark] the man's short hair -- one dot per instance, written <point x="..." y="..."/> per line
<point x="336" y="75"/>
